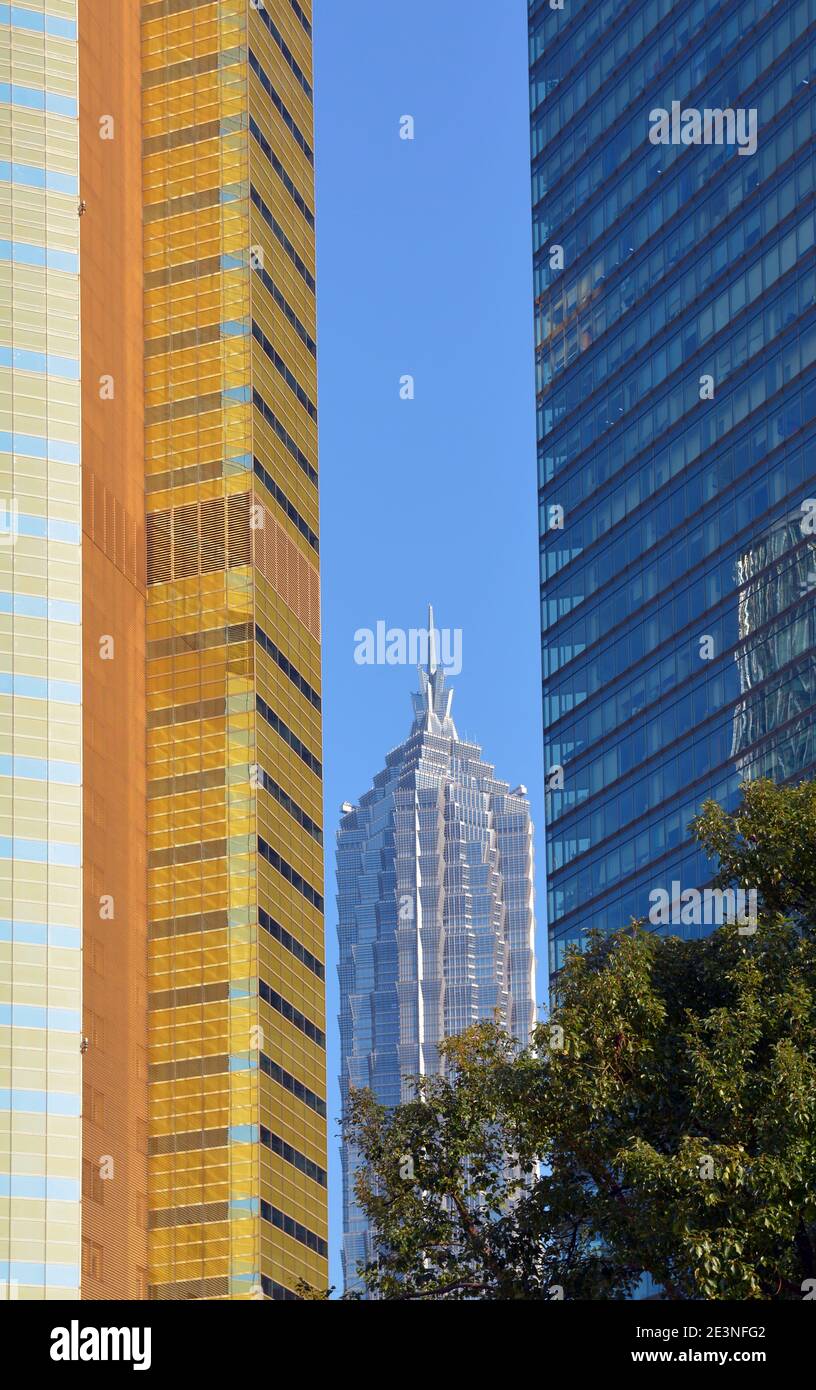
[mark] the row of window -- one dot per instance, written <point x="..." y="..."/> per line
<point x="282" y="303"/>
<point x="285" y="505"/>
<point x="287" y="667"/>
<point x="289" y="56"/>
<point x="302" y="17"/>
<point x="291" y="1084"/>
<point x="279" y="234"/>
<point x="36" y="99"/>
<point x="708" y="686"/>
<point x="30" y="176"/>
<point x="290" y="1155"/>
<point x="627" y="278"/>
<point x="291" y="944"/>
<point x="283" y="731"/>
<point x="280" y="107"/>
<point x="288" y="1011"/>
<point x="728" y="535"/>
<point x="294" y="1228"/>
<point x="39" y="447"/>
<point x="46" y="257"/>
<point x="564" y="36"/>
<point x="286" y="872"/>
<point x="272" y="1289"/>
<point x="550" y="65"/>
<point x="719" y="467"/>
<point x="578" y="885"/>
<point x="632" y="193"/>
<point x="38" y="22"/>
<point x="768" y="100"/>
<point x="286" y="801"/>
<point x="609" y="405"/>
<point x="284" y="370"/>
<point x="717" y="42"/>
<point x="288" y="183"/>
<point x="798" y="409"/>
<point x="286" y="439"/>
<point x="676" y="595"/>
<point x="700" y="754"/>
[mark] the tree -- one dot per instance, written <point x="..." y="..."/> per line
<point x="663" y="1121"/>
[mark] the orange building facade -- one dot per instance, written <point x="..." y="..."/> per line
<point x="114" y="974"/>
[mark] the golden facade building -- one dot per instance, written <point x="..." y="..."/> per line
<point x="162" y="1012"/>
<point x="235" y="848"/>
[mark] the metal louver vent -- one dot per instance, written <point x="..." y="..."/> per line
<point x="198" y="538"/>
<point x="239" y="541"/>
<point x="159" y="547"/>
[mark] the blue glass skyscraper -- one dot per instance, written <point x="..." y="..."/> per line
<point x="673" y="173"/>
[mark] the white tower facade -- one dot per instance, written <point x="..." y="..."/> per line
<point x="436" y="916"/>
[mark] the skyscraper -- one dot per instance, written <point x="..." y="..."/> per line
<point x="162" y="1101"/>
<point x="435" y="916"/>
<point x="73" y="1026"/>
<point x="235" y="859"/>
<point x="675" y="284"/>
<point x="113" y="711"/>
<point x="41" y="555"/>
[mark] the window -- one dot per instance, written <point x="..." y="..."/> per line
<point x="95" y="955"/>
<point x="93" y="1105"/>
<point x="95" y="1030"/>
<point x="92" y="1184"/>
<point x="92" y="1260"/>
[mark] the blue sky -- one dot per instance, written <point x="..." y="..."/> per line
<point x="424" y="268"/>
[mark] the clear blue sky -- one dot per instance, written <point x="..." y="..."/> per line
<point x="424" y="267"/>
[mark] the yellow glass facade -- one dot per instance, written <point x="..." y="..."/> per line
<point x="237" y="1078"/>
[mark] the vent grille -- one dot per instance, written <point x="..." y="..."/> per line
<point x="107" y="523"/>
<point x="198" y="538"/>
<point x="286" y="568"/>
<point x="159" y="547"/>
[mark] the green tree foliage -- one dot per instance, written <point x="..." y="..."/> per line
<point x="664" y="1120"/>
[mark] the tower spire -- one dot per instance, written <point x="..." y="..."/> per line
<point x="431" y="641"/>
<point x="432" y="702"/>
